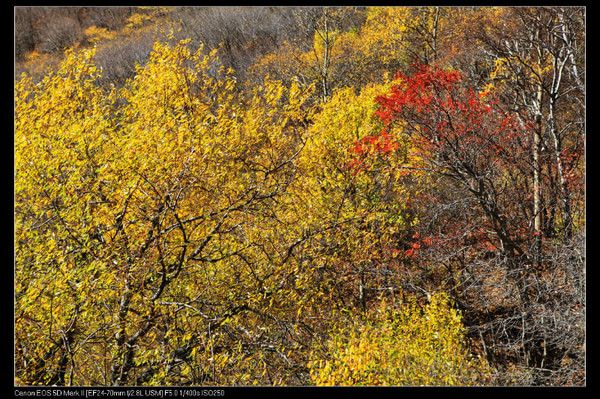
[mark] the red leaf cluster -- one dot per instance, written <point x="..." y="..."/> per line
<point x="416" y="90"/>
<point x="444" y="115"/>
<point x="375" y="144"/>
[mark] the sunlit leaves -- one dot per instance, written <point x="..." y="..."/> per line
<point x="119" y="194"/>
<point x="405" y="346"/>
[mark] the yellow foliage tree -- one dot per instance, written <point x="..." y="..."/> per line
<point x="134" y="209"/>
<point x="405" y="346"/>
<point x="62" y="125"/>
<point x="390" y="39"/>
<point x="359" y="205"/>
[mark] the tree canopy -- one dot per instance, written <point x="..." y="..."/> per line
<point x="371" y="196"/>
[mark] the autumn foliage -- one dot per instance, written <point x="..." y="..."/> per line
<point x="391" y="348"/>
<point x="378" y="196"/>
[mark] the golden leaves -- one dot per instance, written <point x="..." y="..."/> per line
<point x="406" y="346"/>
<point x="113" y="190"/>
<point x="96" y="34"/>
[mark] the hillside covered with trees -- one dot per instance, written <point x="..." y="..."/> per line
<point x="300" y="196"/>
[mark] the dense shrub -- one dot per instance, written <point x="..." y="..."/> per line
<point x="407" y="345"/>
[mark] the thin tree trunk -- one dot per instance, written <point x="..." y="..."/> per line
<point x="434" y="33"/>
<point x="325" y="70"/>
<point x="564" y="188"/>
<point x="537" y="195"/>
<point x="569" y="48"/>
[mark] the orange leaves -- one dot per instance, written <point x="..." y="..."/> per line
<point x="490" y="247"/>
<point x="382" y="143"/>
<point x="410" y="253"/>
<point x="418" y="244"/>
<point x="371" y="146"/>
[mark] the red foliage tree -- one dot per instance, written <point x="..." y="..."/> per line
<point x="467" y="137"/>
<point x="483" y="159"/>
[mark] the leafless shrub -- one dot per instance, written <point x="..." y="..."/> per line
<point x="24" y="31"/>
<point x="527" y="319"/>
<point x="61" y="34"/>
<point x="111" y="18"/>
<point x="243" y="34"/>
<point x="118" y="60"/>
<point x="52" y="29"/>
